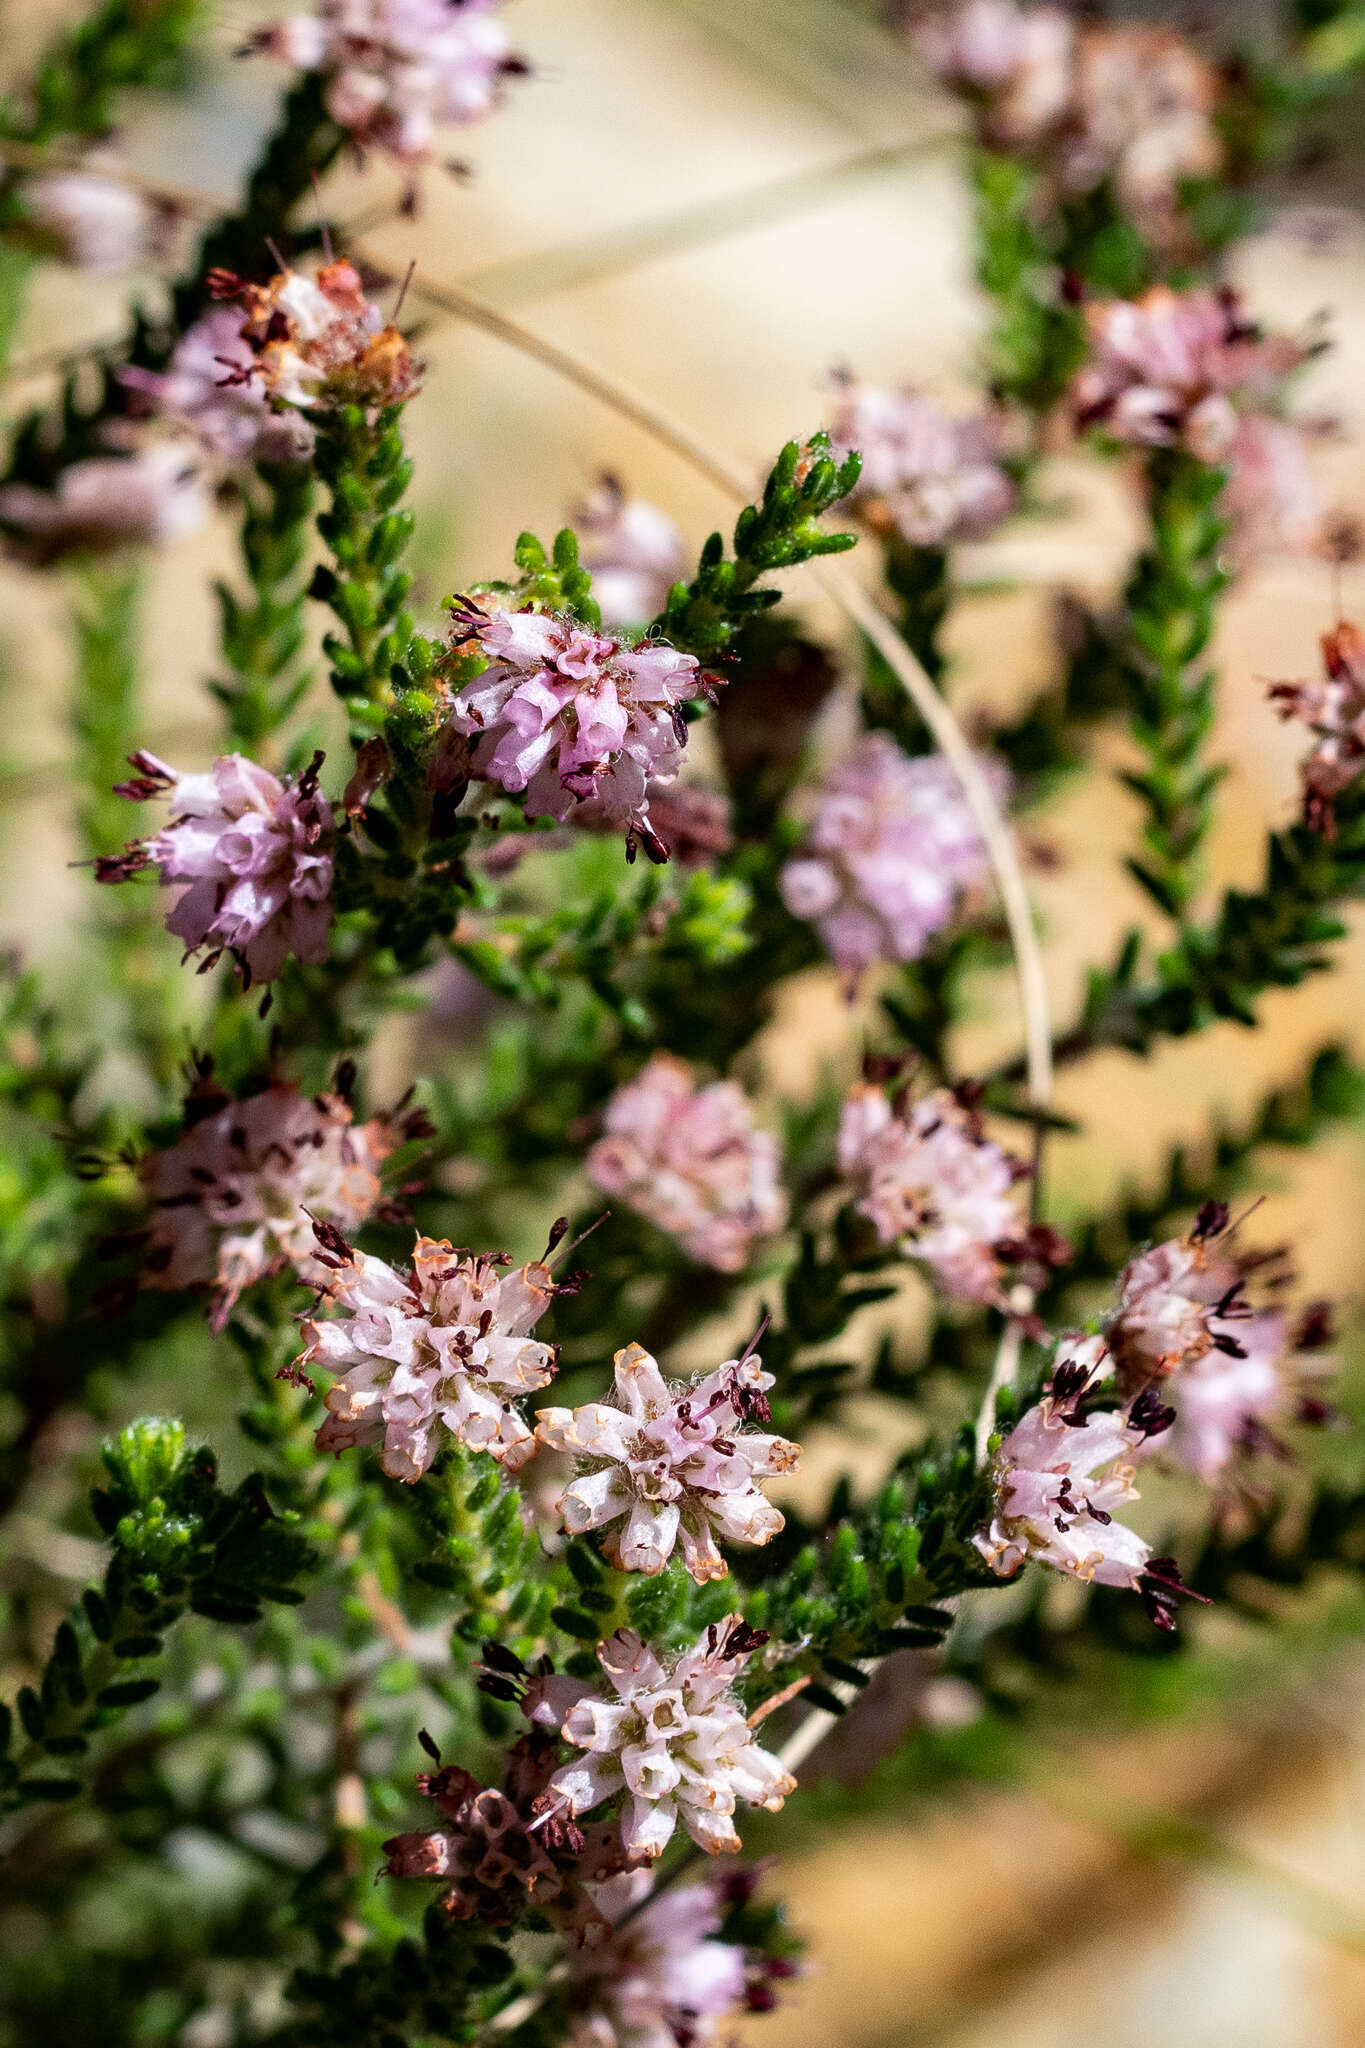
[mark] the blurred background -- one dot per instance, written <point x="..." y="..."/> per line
<point x="718" y="203"/>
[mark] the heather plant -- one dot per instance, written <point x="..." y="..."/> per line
<point x="456" y="1601"/>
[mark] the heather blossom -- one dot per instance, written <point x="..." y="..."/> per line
<point x="235" y="1197"/>
<point x="1015" y="63"/>
<point x="1143" y="114"/>
<point x="444" y="1348"/>
<point x="319" y="343"/>
<point x="660" y="1979"/>
<point x="634" y="550"/>
<point x="1060" y="1478"/>
<point x="249" y="854"/>
<point x="211" y="388"/>
<point x="676" y="1462"/>
<point x="1270" y="499"/>
<point x="671" y="1741"/>
<point x="1334" y="712"/>
<point x="396" y="70"/>
<point x="928" y="1177"/>
<point x="926" y="476"/>
<point x="690" y="1159"/>
<point x="562" y="713"/>
<point x="99" y="224"/>
<point x="889" y="853"/>
<point x="1177" y="369"/>
<point x="154" y="494"/>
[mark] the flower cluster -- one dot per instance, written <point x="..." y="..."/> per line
<point x="156" y="493"/>
<point x="1177" y="369"/>
<point x="690" y="1159"/>
<point x="660" y="1979"/>
<point x="561" y="714"/>
<point x="210" y="389"/>
<point x="319" y="343"/>
<point x="1184" y="1325"/>
<point x="634" y="551"/>
<point x="1132" y="105"/>
<point x="396" y="70"/>
<point x="677" y="1462"/>
<point x="928" y="1177"/>
<point x="1060" y="1478"/>
<point x="495" y="1852"/>
<point x="250" y="856"/>
<point x="889" y="853"/>
<point x="235" y="1197"/>
<point x="926" y="476"/>
<point x="670" y="1740"/>
<point x="445" y="1347"/>
<point x="1334" y="710"/>
<point x="98" y="224"/>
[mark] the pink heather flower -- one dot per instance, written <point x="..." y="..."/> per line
<point x="150" y="497"/>
<point x="234" y="1198"/>
<point x="494" y="1853"/>
<point x="211" y="388"/>
<point x="676" y="1461"/>
<point x="1334" y="710"/>
<point x="671" y="1741"/>
<point x="250" y="856"/>
<point x="1222" y="1402"/>
<point x="98" y="224"/>
<point x="927" y="1176"/>
<point x="1270" y="498"/>
<point x="1060" y="1481"/>
<point x="1143" y="115"/>
<point x="890" y="852"/>
<point x="926" y="476"/>
<point x="396" y="70"/>
<point x="690" y="1159"/>
<point x="1017" y="64"/>
<point x="562" y="713"/>
<point x="319" y="343"/>
<point x="445" y="1347"/>
<point x="1173" y="369"/>
<point x="659" y="1979"/>
<point x="634" y="550"/>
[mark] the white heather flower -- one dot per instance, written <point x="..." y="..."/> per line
<point x="99" y="224"/>
<point x="212" y="388"/>
<point x="890" y="851"/>
<point x="926" y="476"/>
<point x="1334" y="711"/>
<point x="634" y="550"/>
<point x="396" y="70"/>
<point x="444" y="1348"/>
<point x="250" y="856"/>
<point x="671" y="1740"/>
<point x="1177" y="368"/>
<point x="1017" y="63"/>
<point x="1143" y="116"/>
<point x="319" y="343"/>
<point x="152" y="496"/>
<point x="676" y="1462"/>
<point x="658" y="1979"/>
<point x="930" y="1179"/>
<point x="562" y="713"/>
<point x="1060" y="1481"/>
<point x="690" y="1159"/>
<point x="234" y="1198"/>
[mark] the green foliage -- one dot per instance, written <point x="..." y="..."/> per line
<point x="180" y="1545"/>
<point x="120" y="44"/>
<point x="783" y="530"/>
<point x="366" y="530"/>
<point x="264" y="636"/>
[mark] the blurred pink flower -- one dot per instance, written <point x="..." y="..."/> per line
<point x="1016" y="62"/>
<point x="926" y="476"/>
<point x="156" y="494"/>
<point x="890" y="851"/>
<point x="634" y="550"/>
<point x="690" y="1159"/>
<point x="211" y="387"/>
<point x="658" y="1980"/>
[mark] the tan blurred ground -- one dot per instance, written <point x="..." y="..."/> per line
<point x="1010" y="1923"/>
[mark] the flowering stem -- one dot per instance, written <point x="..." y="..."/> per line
<point x="1170" y="605"/>
<point x="1036" y="340"/>
<point x="262" y="638"/>
<point x="366" y="473"/>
